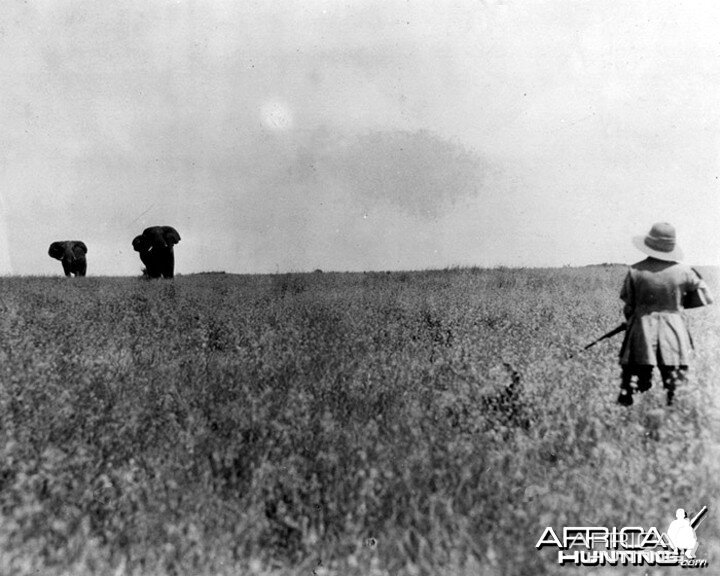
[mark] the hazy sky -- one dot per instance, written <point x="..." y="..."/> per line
<point x="358" y="135"/>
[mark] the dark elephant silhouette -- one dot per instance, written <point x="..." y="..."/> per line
<point x="72" y="255"/>
<point x="155" y="246"/>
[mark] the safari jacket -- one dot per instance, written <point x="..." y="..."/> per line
<point x="656" y="333"/>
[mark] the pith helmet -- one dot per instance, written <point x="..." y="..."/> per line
<point x="660" y="243"/>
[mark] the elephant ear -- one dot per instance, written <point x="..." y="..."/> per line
<point x="56" y="250"/>
<point x="139" y="243"/>
<point x="80" y="249"/>
<point x="171" y="235"/>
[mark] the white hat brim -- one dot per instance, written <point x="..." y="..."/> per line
<point x="675" y="256"/>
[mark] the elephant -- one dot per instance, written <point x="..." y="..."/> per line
<point x="155" y="245"/>
<point x="72" y="255"/>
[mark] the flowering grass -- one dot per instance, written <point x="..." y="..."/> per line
<point x="350" y="424"/>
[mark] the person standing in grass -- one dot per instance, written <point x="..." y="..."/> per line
<point x="653" y="292"/>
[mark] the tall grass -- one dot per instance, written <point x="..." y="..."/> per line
<point x="339" y="423"/>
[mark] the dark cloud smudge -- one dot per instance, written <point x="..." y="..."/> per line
<point x="418" y="172"/>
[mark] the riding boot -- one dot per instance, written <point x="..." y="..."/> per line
<point x="625" y="397"/>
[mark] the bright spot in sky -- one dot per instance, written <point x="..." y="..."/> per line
<point x="276" y="116"/>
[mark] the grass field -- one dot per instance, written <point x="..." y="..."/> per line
<point x="337" y="424"/>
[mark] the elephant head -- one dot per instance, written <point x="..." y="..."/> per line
<point x="155" y="246"/>
<point x="71" y="254"/>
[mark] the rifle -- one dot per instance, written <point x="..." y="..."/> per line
<point x="621" y="328"/>
<point x="610" y="334"/>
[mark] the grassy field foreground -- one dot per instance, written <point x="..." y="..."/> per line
<point x="335" y="424"/>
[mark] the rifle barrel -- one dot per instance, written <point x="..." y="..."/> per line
<point x="610" y="334"/>
<point x="698" y="517"/>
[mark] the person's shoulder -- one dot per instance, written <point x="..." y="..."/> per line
<point x="683" y="269"/>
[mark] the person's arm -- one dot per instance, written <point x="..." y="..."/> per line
<point x="627" y="295"/>
<point x="697" y="292"/>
